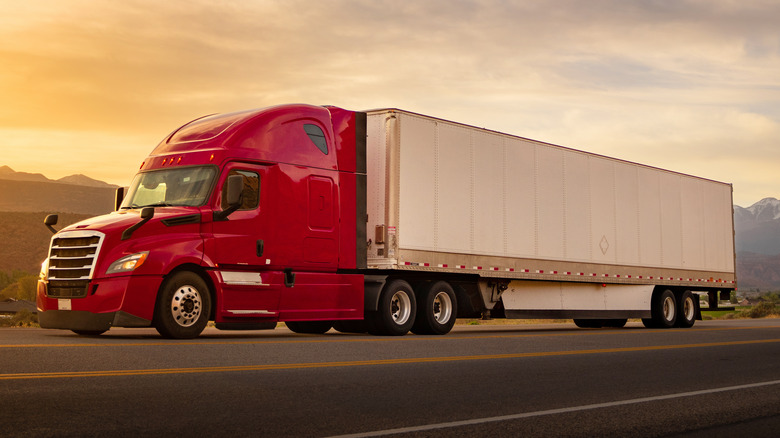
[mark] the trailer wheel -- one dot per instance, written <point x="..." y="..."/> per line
<point x="310" y="327"/>
<point x="396" y="310"/>
<point x="663" y="309"/>
<point x="437" y="310"/>
<point x="183" y="306"/>
<point x="686" y="309"/>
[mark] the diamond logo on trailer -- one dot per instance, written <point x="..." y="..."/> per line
<point x="604" y="245"/>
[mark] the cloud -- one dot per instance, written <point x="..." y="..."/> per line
<point x="680" y="84"/>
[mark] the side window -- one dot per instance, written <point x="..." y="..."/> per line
<point x="317" y="137"/>
<point x="250" y="196"/>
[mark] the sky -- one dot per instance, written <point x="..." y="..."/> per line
<point x="92" y="86"/>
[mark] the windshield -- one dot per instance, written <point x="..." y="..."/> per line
<point x="184" y="186"/>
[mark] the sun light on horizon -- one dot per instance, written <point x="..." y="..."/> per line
<point x="91" y="87"/>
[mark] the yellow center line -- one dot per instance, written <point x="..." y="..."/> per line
<point x="399" y="361"/>
<point x="351" y="338"/>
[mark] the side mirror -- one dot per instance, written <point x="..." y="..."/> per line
<point x="147" y="213"/>
<point x="234" y="186"/>
<point x="51" y="220"/>
<point x="119" y="196"/>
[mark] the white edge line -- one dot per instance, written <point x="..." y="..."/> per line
<point x="476" y="421"/>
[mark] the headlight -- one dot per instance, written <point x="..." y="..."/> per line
<point x="128" y="263"/>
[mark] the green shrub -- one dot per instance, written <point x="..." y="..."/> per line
<point x="762" y="309"/>
<point x="23" y="318"/>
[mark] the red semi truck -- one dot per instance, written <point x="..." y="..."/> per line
<point x="385" y="221"/>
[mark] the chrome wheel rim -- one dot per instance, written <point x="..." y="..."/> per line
<point x="186" y="305"/>
<point x="442" y="308"/>
<point x="688" y="309"/>
<point x="400" y="307"/>
<point x="668" y="308"/>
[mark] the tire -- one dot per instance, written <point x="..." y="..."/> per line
<point x="309" y="327"/>
<point x="396" y="310"/>
<point x="686" y="310"/>
<point x="589" y="323"/>
<point x="663" y="309"/>
<point x="649" y="323"/>
<point x="437" y="309"/>
<point x="350" y="326"/>
<point x="89" y="332"/>
<point x="615" y="323"/>
<point x="183" y="306"/>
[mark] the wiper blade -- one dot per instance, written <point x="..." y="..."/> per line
<point x="156" y="204"/>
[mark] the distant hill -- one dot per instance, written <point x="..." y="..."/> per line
<point x="21" y="191"/>
<point x="26" y="199"/>
<point x="83" y="180"/>
<point x="6" y="173"/>
<point x="757" y="227"/>
<point x="757" y="241"/>
<point x="25" y="239"/>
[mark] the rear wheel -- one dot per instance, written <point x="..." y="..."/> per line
<point x="437" y="309"/>
<point x="686" y="310"/>
<point x="310" y="327"/>
<point x="183" y="306"/>
<point x="396" y="310"/>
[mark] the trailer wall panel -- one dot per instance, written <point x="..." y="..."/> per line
<point x="483" y="200"/>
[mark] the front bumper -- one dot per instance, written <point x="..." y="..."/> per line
<point x="126" y="301"/>
<point x="88" y="321"/>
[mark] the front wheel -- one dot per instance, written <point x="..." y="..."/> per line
<point x="183" y="306"/>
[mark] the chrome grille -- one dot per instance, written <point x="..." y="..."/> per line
<point x="72" y="258"/>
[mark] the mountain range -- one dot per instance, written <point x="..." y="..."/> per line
<point x="6" y="173"/>
<point x="757" y="227"/>
<point x="26" y="198"/>
<point x="33" y="192"/>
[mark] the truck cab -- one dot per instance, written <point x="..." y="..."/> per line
<point x="245" y="219"/>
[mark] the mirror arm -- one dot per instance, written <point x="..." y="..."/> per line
<point x="223" y="215"/>
<point x="146" y="214"/>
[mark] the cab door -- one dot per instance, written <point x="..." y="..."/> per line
<point x="239" y="250"/>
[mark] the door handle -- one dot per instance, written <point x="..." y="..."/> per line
<point x="260" y="247"/>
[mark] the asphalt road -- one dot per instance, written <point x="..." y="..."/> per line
<point x="720" y="378"/>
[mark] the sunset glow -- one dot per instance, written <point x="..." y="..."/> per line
<point x="91" y="87"/>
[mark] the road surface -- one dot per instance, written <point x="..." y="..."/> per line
<point x="719" y="378"/>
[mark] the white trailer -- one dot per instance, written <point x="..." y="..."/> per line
<point x="524" y="229"/>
